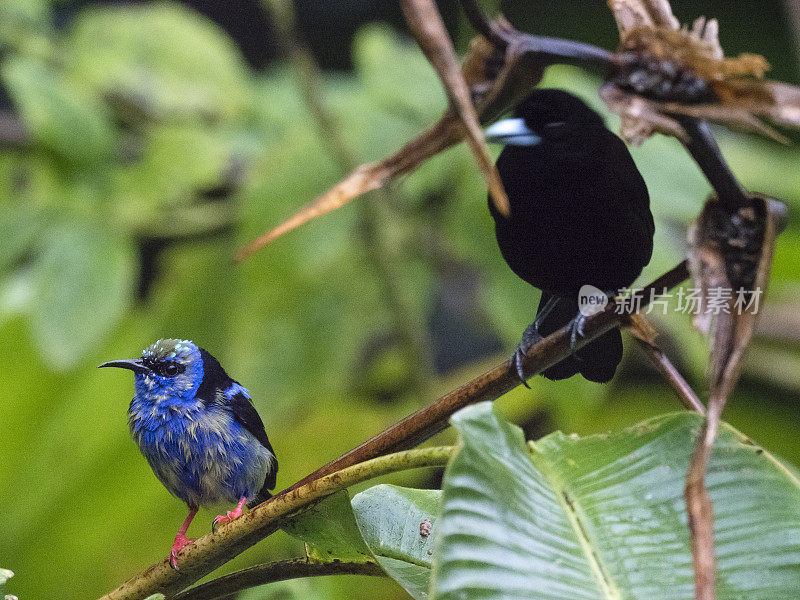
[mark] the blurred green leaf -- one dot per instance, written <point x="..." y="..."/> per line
<point x="61" y="114"/>
<point x="82" y="283"/>
<point x="20" y="225"/>
<point x="159" y="194"/>
<point x="329" y="531"/>
<point x="399" y="526"/>
<point x="397" y="76"/>
<point x="160" y="59"/>
<point x="22" y="20"/>
<point x="603" y="516"/>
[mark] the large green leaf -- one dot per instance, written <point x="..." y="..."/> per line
<point x="603" y="517"/>
<point x="392" y="525"/>
<point x="160" y="59"/>
<point x="329" y="531"/>
<point x="399" y="526"/>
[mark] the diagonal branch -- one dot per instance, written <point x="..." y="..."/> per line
<point x="645" y="335"/>
<point x="706" y="153"/>
<point x="432" y="419"/>
<point x="292" y="568"/>
<point x="661" y="361"/>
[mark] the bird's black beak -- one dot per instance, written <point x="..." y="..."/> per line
<point x="512" y="132"/>
<point x="134" y="365"/>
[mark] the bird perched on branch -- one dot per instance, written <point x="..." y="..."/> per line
<point x="580" y="215"/>
<point x="199" y="431"/>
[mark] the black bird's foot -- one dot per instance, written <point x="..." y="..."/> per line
<point x="575" y="329"/>
<point x="530" y="336"/>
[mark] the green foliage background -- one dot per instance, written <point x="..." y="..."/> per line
<point x="149" y="130"/>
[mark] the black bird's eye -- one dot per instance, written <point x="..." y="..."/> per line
<point x="171" y="369"/>
<point x="168" y="368"/>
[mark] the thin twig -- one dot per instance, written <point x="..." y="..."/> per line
<point x="292" y="568"/>
<point x="706" y="153"/>
<point x="214" y="549"/>
<point x="700" y="509"/>
<point x="645" y="335"/>
<point x="483" y="26"/>
<point x="661" y="361"/>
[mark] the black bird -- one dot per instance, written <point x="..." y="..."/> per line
<point x="580" y="214"/>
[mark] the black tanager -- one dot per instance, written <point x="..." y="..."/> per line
<point x="580" y="215"/>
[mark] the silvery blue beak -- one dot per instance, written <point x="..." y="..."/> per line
<point x="134" y="365"/>
<point x="513" y="132"/>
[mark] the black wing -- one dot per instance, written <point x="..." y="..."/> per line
<point x="246" y="415"/>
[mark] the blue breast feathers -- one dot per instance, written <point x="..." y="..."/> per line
<point x="197" y="449"/>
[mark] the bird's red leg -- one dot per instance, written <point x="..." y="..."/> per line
<point x="230" y="515"/>
<point x="181" y="540"/>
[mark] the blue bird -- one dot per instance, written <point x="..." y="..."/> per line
<point x="198" y="430"/>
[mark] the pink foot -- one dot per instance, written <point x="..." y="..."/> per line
<point x="229" y="515"/>
<point x="180" y="542"/>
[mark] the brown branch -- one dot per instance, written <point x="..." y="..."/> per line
<point x="699" y="508"/>
<point x="706" y="153"/>
<point x="366" y="178"/>
<point x="661" y="361"/>
<point x="432" y="419"/>
<point x="482" y="25"/>
<point x="645" y="335"/>
<point x="282" y="570"/>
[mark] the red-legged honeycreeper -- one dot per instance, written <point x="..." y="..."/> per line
<point x="198" y="430"/>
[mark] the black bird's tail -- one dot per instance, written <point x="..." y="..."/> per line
<point x="596" y="361"/>
<point x="262" y="496"/>
<point x="264" y="493"/>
